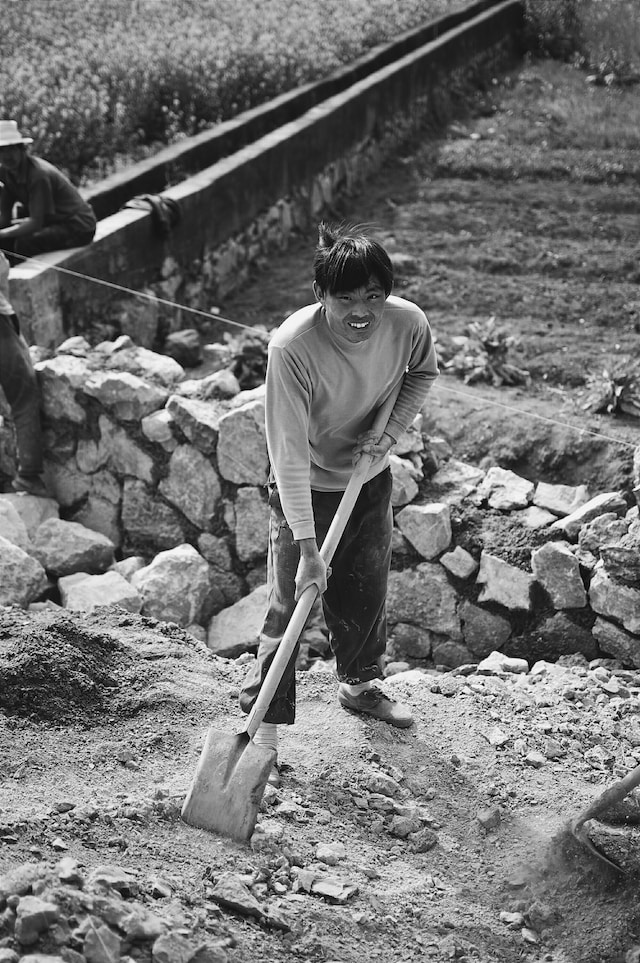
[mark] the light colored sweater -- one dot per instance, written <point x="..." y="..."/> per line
<point x="321" y="394"/>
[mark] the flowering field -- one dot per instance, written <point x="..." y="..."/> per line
<point x="92" y="80"/>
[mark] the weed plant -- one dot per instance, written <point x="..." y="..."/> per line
<point x="92" y="80"/>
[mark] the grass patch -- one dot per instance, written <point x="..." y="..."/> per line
<point x="90" y="81"/>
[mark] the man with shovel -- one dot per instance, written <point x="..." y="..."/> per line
<point x="331" y="367"/>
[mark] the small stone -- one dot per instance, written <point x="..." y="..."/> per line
<point x="489" y="818"/>
<point x="330" y="853"/>
<point x="535" y="759"/>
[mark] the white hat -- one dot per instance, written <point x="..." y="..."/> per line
<point x="9" y="134"/>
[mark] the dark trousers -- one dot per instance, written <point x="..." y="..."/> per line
<point x="20" y="386"/>
<point x="353" y="605"/>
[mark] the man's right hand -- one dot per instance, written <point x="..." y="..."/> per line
<point x="312" y="569"/>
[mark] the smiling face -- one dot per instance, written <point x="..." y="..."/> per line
<point x="354" y="316"/>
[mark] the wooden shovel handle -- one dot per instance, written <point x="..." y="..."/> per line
<point x="308" y="597"/>
<point x="614" y="794"/>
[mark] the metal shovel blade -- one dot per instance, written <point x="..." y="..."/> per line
<point x="228" y="785"/>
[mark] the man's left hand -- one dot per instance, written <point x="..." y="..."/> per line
<point x="372" y="443"/>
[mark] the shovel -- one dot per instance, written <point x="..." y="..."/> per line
<point x="232" y="772"/>
<point x="614" y="794"/>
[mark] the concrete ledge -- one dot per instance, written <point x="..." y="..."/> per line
<point x="238" y="208"/>
<point x="154" y="175"/>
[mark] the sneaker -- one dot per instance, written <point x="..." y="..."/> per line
<point x="374" y="702"/>
<point x="30" y="485"/>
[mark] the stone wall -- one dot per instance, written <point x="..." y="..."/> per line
<point x="159" y="505"/>
<point x="252" y="202"/>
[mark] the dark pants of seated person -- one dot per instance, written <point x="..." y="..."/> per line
<point x="55" y="237"/>
<point x="19" y="383"/>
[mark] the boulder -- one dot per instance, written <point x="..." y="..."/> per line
<point x="242" y="447"/>
<point x="119" y="451"/>
<point x="404" y="477"/>
<point x="198" y="420"/>
<point x="604" y="529"/>
<point x="615" y="600"/>
<point x="83" y="592"/>
<point x="158" y="428"/>
<point x="63" y="548"/>
<point x="426" y="527"/>
<point x="235" y="629"/>
<point x="483" y="632"/>
<point x="174" y="586"/>
<point x="558" y="571"/>
<point x="424" y="597"/>
<point x="59" y="380"/>
<point x="616" y="643"/>
<point x="126" y="395"/>
<point x="604" y="502"/>
<point x="12" y="527"/>
<point x="192" y="485"/>
<point x="622" y="558"/>
<point x="561" y="500"/>
<point x="505" y="490"/>
<point x="22" y="577"/>
<point x="250" y="524"/>
<point x="147" y="519"/>
<point x="459" y="563"/>
<point x="31" y="509"/>
<point x="504" y="583"/>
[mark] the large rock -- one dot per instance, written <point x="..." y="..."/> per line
<point x="482" y="631"/>
<point x="147" y="519"/>
<point x="622" y="558"/>
<point x="59" y="379"/>
<point x="158" y="428"/>
<point x="198" y="420"/>
<point x="31" y="509"/>
<point x="119" y="451"/>
<point x="175" y="586"/>
<point x="561" y="500"/>
<point x="22" y="577"/>
<point x="236" y="629"/>
<point x="251" y="524"/>
<point x="101" y="510"/>
<point x="558" y="571"/>
<point x="424" y="597"/>
<point x="192" y="485"/>
<point x="605" y="502"/>
<point x="242" y="447"/>
<point x="459" y="562"/>
<point x="504" y="583"/>
<point x="12" y="527"/>
<point x="426" y="527"/>
<point x="82" y="592"/>
<point x="123" y="355"/>
<point x="602" y="530"/>
<point x="410" y="641"/>
<point x="505" y="490"/>
<point x="63" y="548"/>
<point x="456" y="480"/>
<point x="614" y="600"/>
<point x="127" y="396"/>
<point x="405" y="477"/>
<point x="616" y="643"/>
<point x="556" y="636"/>
<point x="68" y="484"/>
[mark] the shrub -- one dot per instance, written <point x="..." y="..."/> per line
<point x="94" y="81"/>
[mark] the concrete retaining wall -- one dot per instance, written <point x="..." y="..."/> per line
<point x="252" y="201"/>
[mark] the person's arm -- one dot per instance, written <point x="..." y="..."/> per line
<point x="287" y="426"/>
<point x="6" y="206"/>
<point x="39" y="203"/>
<point x="419" y="377"/>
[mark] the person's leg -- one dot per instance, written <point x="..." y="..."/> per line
<point x="20" y="386"/>
<point x="355" y="604"/>
<point x="55" y="237"/>
<point x="282" y="564"/>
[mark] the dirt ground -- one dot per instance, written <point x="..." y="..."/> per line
<point x="102" y="718"/>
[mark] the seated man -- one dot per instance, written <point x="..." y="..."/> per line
<point x="19" y="383"/>
<point x="53" y="215"/>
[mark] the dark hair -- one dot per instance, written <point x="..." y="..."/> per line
<point x="347" y="259"/>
